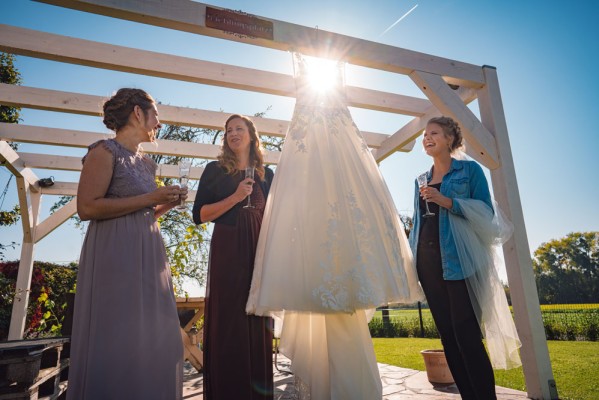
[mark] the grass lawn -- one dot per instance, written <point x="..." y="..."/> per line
<point x="574" y="364"/>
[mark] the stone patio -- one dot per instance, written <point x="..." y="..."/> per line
<point x="398" y="384"/>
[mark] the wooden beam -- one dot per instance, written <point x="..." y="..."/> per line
<point x="70" y="189"/>
<point x="70" y="163"/>
<point x="61" y="189"/>
<point x="523" y="290"/>
<point x="413" y="129"/>
<point x="49" y="161"/>
<point x="107" y="56"/>
<point x="10" y="159"/>
<point x="190" y="16"/>
<point x="29" y="202"/>
<point x="55" y="220"/>
<point x="481" y="144"/>
<point x="20" y="302"/>
<point x="54" y="100"/>
<point x="49" y="136"/>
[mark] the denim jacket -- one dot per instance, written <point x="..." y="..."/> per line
<point x="465" y="179"/>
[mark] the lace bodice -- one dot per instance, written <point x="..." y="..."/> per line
<point x="133" y="173"/>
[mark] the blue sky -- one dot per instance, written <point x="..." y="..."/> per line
<point x="545" y="53"/>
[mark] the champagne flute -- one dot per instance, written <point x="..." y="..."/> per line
<point x="422" y="183"/>
<point x="249" y="173"/>
<point x="184" y="168"/>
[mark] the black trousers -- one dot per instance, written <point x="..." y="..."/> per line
<point x="454" y="316"/>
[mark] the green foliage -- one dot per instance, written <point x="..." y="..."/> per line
<point x="11" y="217"/>
<point x="8" y="218"/>
<point x="567" y="270"/>
<point x="404" y="323"/>
<point x="563" y="322"/>
<point x="50" y="285"/>
<point x="9" y="74"/>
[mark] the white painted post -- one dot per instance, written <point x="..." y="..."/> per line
<point x="540" y="383"/>
<point x="21" y="299"/>
<point x="30" y="206"/>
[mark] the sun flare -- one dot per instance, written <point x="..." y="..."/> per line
<point x="323" y="74"/>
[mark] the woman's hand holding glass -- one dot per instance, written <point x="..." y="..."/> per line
<point x="423" y="185"/>
<point x="432" y="195"/>
<point x="249" y="178"/>
<point x="167" y="194"/>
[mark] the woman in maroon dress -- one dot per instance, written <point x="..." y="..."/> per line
<point x="237" y="347"/>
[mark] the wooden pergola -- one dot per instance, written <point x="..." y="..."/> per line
<point x="487" y="137"/>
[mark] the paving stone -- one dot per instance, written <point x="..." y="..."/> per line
<point x="398" y="384"/>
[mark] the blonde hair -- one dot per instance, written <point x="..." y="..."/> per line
<point x="451" y="130"/>
<point x="228" y="159"/>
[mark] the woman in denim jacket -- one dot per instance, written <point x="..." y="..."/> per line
<point x="437" y="259"/>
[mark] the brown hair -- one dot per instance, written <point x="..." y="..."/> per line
<point x="451" y="130"/>
<point x="228" y="159"/>
<point x="119" y="107"/>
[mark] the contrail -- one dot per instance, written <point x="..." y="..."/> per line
<point x="397" y="22"/>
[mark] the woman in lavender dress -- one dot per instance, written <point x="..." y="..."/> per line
<point x="126" y="342"/>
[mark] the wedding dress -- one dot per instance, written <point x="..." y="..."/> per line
<point x="331" y="246"/>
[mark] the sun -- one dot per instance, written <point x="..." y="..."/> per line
<point x="322" y="74"/>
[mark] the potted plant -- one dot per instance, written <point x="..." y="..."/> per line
<point x="437" y="370"/>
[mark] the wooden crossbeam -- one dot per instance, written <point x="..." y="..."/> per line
<point x="11" y="160"/>
<point x="107" y="56"/>
<point x="77" y="103"/>
<point x="190" y="16"/>
<point x="481" y="143"/>
<point x="55" y="219"/>
<point x="70" y="189"/>
<point x="410" y="131"/>
<point x="71" y="163"/>
<point x="61" y="189"/>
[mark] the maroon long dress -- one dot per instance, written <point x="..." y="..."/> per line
<point x="237" y="346"/>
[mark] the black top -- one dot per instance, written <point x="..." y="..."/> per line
<point x="216" y="184"/>
<point x="429" y="228"/>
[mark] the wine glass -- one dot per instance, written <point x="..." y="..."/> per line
<point x="184" y="168"/>
<point x="249" y="173"/>
<point x="422" y="183"/>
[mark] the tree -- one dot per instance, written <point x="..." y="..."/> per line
<point x="9" y="74"/>
<point x="567" y="270"/>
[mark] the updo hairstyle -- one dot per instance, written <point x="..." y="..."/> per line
<point x="118" y="108"/>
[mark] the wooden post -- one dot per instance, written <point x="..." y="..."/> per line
<point x="540" y="383"/>
<point x="30" y="206"/>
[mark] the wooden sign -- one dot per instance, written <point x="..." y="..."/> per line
<point x="239" y="23"/>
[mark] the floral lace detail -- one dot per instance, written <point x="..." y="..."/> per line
<point x="298" y="130"/>
<point x="133" y="173"/>
<point x="353" y="289"/>
<point x="334" y="121"/>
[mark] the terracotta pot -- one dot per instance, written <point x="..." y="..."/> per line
<point x="437" y="370"/>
